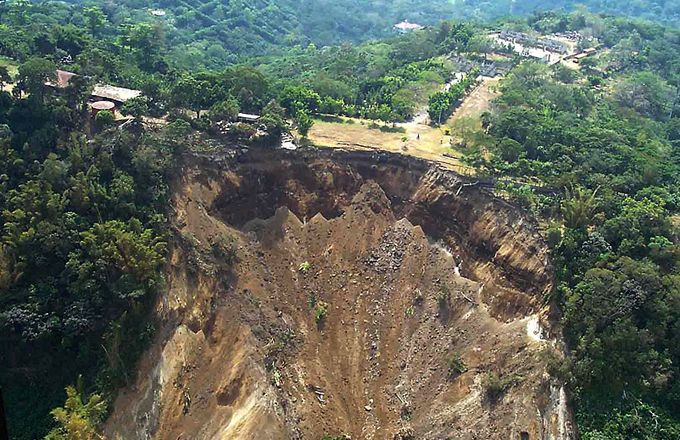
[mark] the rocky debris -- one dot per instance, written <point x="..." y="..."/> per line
<point x="372" y="196"/>
<point x="320" y="395"/>
<point x="405" y="433"/>
<point x="389" y="254"/>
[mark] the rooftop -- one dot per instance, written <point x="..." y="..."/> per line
<point x="102" y="91"/>
<point x="62" y="79"/>
<point x="408" y="26"/>
<point x="248" y="117"/>
<point x="114" y="93"/>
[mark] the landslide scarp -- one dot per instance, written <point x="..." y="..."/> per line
<point x="315" y="293"/>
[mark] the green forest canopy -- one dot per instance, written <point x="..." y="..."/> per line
<point x="213" y="33"/>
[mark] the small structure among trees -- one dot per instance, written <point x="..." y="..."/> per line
<point x="247" y="118"/>
<point x="531" y="41"/>
<point x="407" y="26"/>
<point x="99" y="93"/>
<point x="119" y="95"/>
<point x="99" y="106"/>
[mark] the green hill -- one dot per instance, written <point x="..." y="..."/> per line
<point x="218" y="32"/>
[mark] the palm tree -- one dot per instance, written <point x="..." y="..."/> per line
<point x="579" y="206"/>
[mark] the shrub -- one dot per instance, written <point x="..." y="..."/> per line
<point x="553" y="236"/>
<point x="311" y="301"/>
<point x="276" y="378"/>
<point x="243" y="130"/>
<point x="305" y="267"/>
<point x="496" y="385"/>
<point x="320" y="311"/>
<point x="226" y="110"/>
<point x="178" y="128"/>
<point x="456" y="365"/>
<point x="136" y="107"/>
<point x="224" y="248"/>
<point x="201" y="123"/>
<point x="557" y="365"/>
<point x="5" y="131"/>
<point x="304" y="123"/>
<point x="418" y="297"/>
<point x="104" y="118"/>
<point x="404" y="433"/>
<point x="510" y="150"/>
<point x="443" y="297"/>
<point x="79" y="416"/>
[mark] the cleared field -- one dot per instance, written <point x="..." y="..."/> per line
<point x="412" y="138"/>
<point x="465" y="124"/>
<point x="415" y="138"/>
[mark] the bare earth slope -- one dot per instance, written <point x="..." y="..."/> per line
<point x="241" y="356"/>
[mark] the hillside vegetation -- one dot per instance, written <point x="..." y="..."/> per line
<point x="214" y="33"/>
<point x="604" y="140"/>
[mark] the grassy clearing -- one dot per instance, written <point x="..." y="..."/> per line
<point x="465" y="125"/>
<point x="411" y="138"/>
<point x="443" y="145"/>
<point x="478" y="101"/>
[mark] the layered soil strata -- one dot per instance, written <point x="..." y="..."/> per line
<point x="332" y="293"/>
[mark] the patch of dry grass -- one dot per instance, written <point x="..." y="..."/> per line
<point x="415" y="139"/>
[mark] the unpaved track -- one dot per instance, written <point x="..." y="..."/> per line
<point x="478" y="101"/>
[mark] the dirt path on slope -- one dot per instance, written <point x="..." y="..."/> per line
<point x="478" y="101"/>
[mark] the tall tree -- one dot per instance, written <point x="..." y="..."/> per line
<point x="95" y="19"/>
<point x="33" y="74"/>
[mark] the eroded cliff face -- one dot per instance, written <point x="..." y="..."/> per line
<point x="428" y="282"/>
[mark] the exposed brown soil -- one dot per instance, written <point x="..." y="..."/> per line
<point x="415" y="270"/>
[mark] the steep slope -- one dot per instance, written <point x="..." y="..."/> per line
<point x="427" y="288"/>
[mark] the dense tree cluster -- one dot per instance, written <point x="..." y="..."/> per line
<point x="213" y="33"/>
<point x="388" y="80"/>
<point x="81" y="249"/>
<point x="83" y="204"/>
